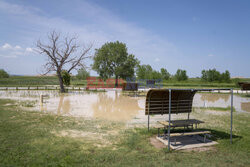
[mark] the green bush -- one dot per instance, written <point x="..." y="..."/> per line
<point x="181" y="75"/>
<point x="165" y="74"/>
<point x="236" y="82"/>
<point x="66" y="78"/>
<point x="212" y="75"/>
<point x="82" y="74"/>
<point x="3" y="74"/>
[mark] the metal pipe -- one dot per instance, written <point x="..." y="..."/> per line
<point x="169" y="119"/>
<point x="231" y="131"/>
<point x="148" y="119"/>
<point x="148" y="110"/>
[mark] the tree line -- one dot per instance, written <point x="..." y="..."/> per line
<point x="212" y="75"/>
<point x="113" y="60"/>
<point x="146" y="72"/>
<point x="64" y="54"/>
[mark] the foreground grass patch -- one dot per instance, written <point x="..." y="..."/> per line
<point x="37" y="139"/>
<point x="217" y="108"/>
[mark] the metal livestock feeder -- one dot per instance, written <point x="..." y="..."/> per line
<point x="175" y="101"/>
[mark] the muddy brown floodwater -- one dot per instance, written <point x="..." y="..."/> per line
<point x="111" y="105"/>
<point x="241" y="104"/>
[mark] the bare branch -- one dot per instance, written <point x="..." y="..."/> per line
<point x="79" y="62"/>
<point x="61" y="52"/>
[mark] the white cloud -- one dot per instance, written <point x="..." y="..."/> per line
<point x="18" y="47"/>
<point x="29" y="50"/>
<point x="211" y="55"/>
<point x="8" y="51"/>
<point x="6" y="46"/>
<point x="101" y="26"/>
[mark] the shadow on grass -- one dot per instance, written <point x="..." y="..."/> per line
<point x="215" y="134"/>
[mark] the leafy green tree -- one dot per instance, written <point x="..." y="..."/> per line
<point x="3" y="74"/>
<point x="204" y="75"/>
<point x="236" y="82"/>
<point x="82" y="74"/>
<point x="225" y="77"/>
<point x="181" y="75"/>
<point x="212" y="75"/>
<point x="144" y="71"/>
<point x="165" y="74"/>
<point x="66" y="78"/>
<point x="156" y="75"/>
<point x="112" y="59"/>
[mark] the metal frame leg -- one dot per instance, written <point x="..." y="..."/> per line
<point x="169" y="119"/>
<point x="231" y="130"/>
<point x="164" y="132"/>
<point x="148" y="121"/>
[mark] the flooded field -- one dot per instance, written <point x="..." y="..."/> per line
<point x="110" y="105"/>
<point x="241" y="104"/>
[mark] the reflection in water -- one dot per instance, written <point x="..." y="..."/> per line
<point x="119" y="107"/>
<point x="221" y="100"/>
<point x="63" y="106"/>
<point x="104" y="105"/>
<point x="112" y="105"/>
<point x="213" y="97"/>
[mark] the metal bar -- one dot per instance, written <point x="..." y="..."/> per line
<point x="169" y="119"/>
<point x="202" y="89"/>
<point x="231" y="131"/>
<point x="148" y="120"/>
<point x="148" y="111"/>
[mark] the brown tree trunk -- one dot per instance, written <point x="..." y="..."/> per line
<point x="116" y="81"/>
<point x="62" y="90"/>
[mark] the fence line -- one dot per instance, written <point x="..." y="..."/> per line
<point x="40" y="88"/>
<point x="83" y="88"/>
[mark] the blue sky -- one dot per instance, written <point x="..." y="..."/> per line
<point x="191" y="35"/>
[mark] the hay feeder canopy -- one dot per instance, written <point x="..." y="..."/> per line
<point x="157" y="101"/>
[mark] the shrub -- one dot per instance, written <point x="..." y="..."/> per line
<point x="165" y="74"/>
<point x="181" y="75"/>
<point x="82" y="74"/>
<point x="66" y="78"/>
<point x="212" y="75"/>
<point x="3" y="74"/>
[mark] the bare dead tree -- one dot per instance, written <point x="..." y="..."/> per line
<point x="62" y="54"/>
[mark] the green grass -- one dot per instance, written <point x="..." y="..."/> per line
<point x="31" y="139"/>
<point x="217" y="108"/>
<point x="52" y="80"/>
<point x="29" y="81"/>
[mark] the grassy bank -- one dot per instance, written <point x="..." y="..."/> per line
<point x="52" y="80"/>
<point x="39" y="139"/>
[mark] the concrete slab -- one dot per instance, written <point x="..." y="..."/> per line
<point x="186" y="142"/>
